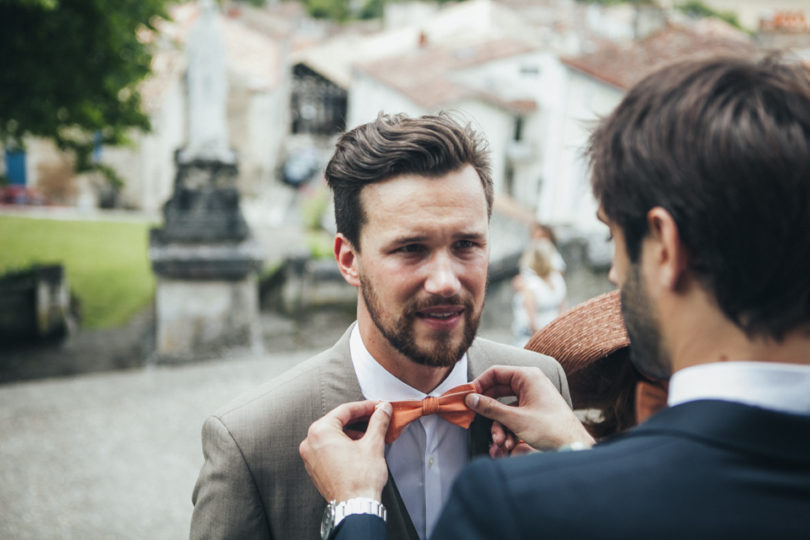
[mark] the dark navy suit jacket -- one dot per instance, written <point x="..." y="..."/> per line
<point x="704" y="469"/>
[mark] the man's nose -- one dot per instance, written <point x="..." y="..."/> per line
<point x="442" y="278"/>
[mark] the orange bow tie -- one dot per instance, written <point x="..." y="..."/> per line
<point x="450" y="406"/>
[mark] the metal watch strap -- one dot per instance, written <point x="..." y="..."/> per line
<point x="359" y="505"/>
<point x="335" y="512"/>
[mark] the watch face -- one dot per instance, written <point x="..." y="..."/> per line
<point x="328" y="520"/>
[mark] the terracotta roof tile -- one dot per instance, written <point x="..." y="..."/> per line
<point x="623" y="65"/>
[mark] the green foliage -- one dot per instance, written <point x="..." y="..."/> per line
<point x="313" y="206"/>
<point x="372" y="9"/>
<point x="320" y="244"/>
<point x="70" y="70"/>
<point x="106" y="263"/>
<point x="336" y="10"/>
<point x="344" y="10"/>
<point x="694" y="8"/>
<point x="617" y="2"/>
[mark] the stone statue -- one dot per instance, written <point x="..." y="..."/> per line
<point x="207" y="90"/>
<point x="205" y="257"/>
<point x="204" y="206"/>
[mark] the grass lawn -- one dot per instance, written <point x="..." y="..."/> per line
<point x="107" y="262"/>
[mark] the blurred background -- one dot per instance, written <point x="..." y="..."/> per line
<point x="166" y="233"/>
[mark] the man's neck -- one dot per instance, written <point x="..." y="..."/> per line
<point x="706" y="336"/>
<point x="421" y="377"/>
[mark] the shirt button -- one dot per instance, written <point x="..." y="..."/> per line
<point x="430" y="462"/>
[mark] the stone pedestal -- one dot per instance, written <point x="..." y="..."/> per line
<point x="206" y="300"/>
<point x="206" y="263"/>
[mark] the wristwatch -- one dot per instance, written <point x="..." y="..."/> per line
<point x="337" y="510"/>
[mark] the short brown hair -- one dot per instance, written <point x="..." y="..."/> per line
<point x="393" y="145"/>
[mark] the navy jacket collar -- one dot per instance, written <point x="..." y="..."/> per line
<point x="736" y="426"/>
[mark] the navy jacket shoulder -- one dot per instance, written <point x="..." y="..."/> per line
<point x="706" y="469"/>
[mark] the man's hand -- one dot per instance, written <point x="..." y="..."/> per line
<point x="506" y="444"/>
<point x="342" y="466"/>
<point x="541" y="417"/>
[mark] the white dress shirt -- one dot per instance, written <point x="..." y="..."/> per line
<point x="768" y="385"/>
<point x="430" y="452"/>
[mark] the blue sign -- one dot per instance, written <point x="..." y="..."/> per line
<point x="15" y="167"/>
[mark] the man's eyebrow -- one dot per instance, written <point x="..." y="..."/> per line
<point x="419" y="238"/>
<point x="471" y="236"/>
<point x="414" y="239"/>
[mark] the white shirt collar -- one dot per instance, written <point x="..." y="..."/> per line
<point x="769" y="385"/>
<point x="377" y="383"/>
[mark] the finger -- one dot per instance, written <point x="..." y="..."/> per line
<point x="492" y="409"/>
<point x="498" y="391"/>
<point x="378" y="424"/>
<point x="509" y="443"/>
<point x="349" y="413"/>
<point x="522" y="449"/>
<point x="498" y="376"/>
<point x="498" y="433"/>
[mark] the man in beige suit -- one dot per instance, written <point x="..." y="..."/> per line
<point x="412" y="199"/>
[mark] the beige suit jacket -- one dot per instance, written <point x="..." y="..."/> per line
<point x="253" y="484"/>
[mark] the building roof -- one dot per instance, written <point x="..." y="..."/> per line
<point x="785" y="21"/>
<point x="622" y="65"/>
<point x="425" y="76"/>
<point x="468" y="22"/>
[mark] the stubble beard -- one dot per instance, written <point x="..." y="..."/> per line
<point x="400" y="333"/>
<point x="643" y="327"/>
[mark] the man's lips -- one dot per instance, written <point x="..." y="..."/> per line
<point x="440" y="312"/>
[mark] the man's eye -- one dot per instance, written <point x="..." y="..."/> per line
<point x="465" y="244"/>
<point x="410" y="248"/>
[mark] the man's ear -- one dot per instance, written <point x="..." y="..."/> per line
<point x="346" y="257"/>
<point x="669" y="251"/>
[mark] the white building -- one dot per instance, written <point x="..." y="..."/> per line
<point x="594" y="85"/>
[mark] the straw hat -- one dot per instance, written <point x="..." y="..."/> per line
<point x="590" y="341"/>
<point x="584" y="334"/>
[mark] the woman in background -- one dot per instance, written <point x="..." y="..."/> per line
<point x="539" y="291"/>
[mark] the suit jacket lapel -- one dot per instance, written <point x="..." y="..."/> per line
<point x="399" y="525"/>
<point x="337" y="378"/>
<point x="480" y="430"/>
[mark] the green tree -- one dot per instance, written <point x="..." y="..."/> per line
<point x="698" y="9"/>
<point x="336" y="10"/>
<point x="70" y="72"/>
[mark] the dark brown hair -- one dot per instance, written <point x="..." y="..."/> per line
<point x="723" y="145"/>
<point x="609" y="386"/>
<point x="394" y="145"/>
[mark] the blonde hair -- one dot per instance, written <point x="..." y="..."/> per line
<point x="538" y="258"/>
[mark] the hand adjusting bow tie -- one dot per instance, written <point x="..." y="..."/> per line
<point x="450" y="406"/>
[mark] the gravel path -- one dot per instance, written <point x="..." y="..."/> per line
<point x="113" y="455"/>
<point x="116" y="454"/>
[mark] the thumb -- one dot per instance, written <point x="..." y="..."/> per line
<point x="378" y="423"/>
<point x="491" y="408"/>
